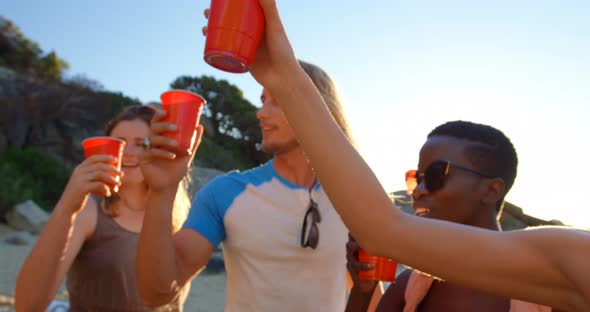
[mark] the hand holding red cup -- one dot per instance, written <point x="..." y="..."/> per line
<point x="183" y="108"/>
<point x="384" y="270"/>
<point x="104" y="145"/>
<point x="234" y="31"/>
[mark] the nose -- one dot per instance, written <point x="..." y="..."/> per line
<point x="132" y="150"/>
<point x="419" y="191"/>
<point x="262" y="112"/>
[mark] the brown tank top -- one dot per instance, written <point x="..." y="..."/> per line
<point x="102" y="277"/>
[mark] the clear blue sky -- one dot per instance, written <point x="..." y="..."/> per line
<point x="403" y="67"/>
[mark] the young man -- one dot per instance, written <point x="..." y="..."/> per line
<point x="454" y="252"/>
<point x="283" y="242"/>
<point x="464" y="172"/>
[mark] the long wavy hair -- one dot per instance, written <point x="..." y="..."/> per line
<point x="181" y="202"/>
<point x="328" y="90"/>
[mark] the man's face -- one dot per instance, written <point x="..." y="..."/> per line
<point x="277" y="135"/>
<point x="458" y="199"/>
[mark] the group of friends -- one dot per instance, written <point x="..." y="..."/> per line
<point x="286" y="227"/>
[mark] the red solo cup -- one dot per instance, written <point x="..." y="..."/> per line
<point x="234" y="31"/>
<point x="183" y="108"/>
<point x="384" y="270"/>
<point x="104" y="145"/>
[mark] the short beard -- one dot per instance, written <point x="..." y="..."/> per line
<point x="279" y="148"/>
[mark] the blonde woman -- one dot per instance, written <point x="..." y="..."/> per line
<point x="93" y="239"/>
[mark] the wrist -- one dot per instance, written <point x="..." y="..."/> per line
<point x="162" y="193"/>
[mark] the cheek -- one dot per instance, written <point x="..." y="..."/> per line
<point x="455" y="203"/>
<point x="134" y="149"/>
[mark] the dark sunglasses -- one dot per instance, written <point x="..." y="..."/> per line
<point x="310" y="237"/>
<point x="434" y="175"/>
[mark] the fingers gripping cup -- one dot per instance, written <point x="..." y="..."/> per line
<point x="183" y="108"/>
<point x="103" y="145"/>
<point x="384" y="268"/>
<point x="234" y="31"/>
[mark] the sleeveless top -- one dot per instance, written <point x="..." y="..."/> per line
<point x="102" y="276"/>
<point x="419" y="284"/>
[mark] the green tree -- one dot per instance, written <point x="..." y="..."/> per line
<point x="233" y="120"/>
<point x="50" y="67"/>
<point x="24" y="55"/>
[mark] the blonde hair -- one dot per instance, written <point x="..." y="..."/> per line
<point x="182" y="201"/>
<point x="327" y="88"/>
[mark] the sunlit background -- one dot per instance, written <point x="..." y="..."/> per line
<point x="403" y="67"/>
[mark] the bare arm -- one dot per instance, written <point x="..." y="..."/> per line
<point x="51" y="257"/>
<point x="536" y="265"/>
<point x="73" y="220"/>
<point x="394" y="297"/>
<point x="166" y="262"/>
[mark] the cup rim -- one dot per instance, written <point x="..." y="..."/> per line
<point x="103" y="137"/>
<point x="182" y="91"/>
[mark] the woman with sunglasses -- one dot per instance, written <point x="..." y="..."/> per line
<point x="545" y="265"/>
<point x="464" y="172"/>
<point x="92" y="239"/>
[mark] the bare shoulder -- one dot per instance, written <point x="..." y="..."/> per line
<point x="566" y="251"/>
<point x="393" y="298"/>
<point x="86" y="219"/>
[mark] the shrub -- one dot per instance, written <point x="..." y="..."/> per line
<point x="30" y="173"/>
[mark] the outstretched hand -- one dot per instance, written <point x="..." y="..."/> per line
<point x="161" y="168"/>
<point x="274" y="56"/>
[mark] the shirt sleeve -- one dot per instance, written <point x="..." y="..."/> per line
<point x="206" y="214"/>
<point x="210" y="205"/>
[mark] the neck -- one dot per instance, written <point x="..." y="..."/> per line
<point x="294" y="167"/>
<point x="133" y="197"/>
<point x="487" y="221"/>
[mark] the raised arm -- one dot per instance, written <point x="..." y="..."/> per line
<point x="72" y="221"/>
<point x="166" y="261"/>
<point x="531" y="265"/>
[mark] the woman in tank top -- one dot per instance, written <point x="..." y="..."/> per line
<point x="93" y="239"/>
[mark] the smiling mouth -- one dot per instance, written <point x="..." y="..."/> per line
<point x="421" y="212"/>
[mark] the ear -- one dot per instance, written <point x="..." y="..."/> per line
<point x="494" y="189"/>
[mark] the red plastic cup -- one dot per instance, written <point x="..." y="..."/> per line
<point x="384" y="270"/>
<point x="183" y="108"/>
<point x="104" y="145"/>
<point x="234" y="31"/>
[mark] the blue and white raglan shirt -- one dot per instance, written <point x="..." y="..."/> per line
<point x="258" y="216"/>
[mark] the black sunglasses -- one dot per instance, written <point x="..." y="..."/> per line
<point x="434" y="175"/>
<point x="310" y="237"/>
